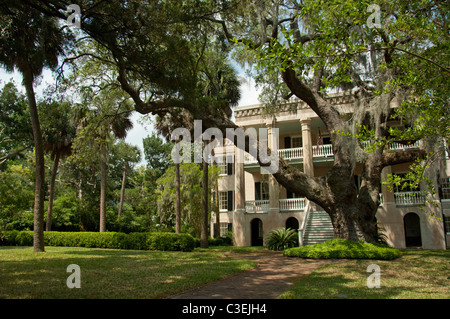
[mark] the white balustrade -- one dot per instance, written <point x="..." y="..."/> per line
<point x="253" y="206"/>
<point x="322" y="150"/>
<point x="409" y="198"/>
<point x="292" y="204"/>
<point x="291" y="153"/>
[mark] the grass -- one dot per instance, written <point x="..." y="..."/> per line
<point x="109" y="273"/>
<point x="418" y="274"/>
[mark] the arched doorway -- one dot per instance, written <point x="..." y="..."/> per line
<point x="413" y="237"/>
<point x="292" y="223"/>
<point x="256" y="227"/>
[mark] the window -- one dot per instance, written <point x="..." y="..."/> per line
<point x="405" y="186"/>
<point x="224" y="229"/>
<point x="261" y="191"/>
<point x="447" y="224"/>
<point x="296" y="141"/>
<point x="226" y="201"/>
<point x="445" y="190"/>
<point x="226" y="167"/>
<point x="292" y="141"/>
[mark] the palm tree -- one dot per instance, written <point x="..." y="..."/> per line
<point x="29" y="42"/>
<point x="59" y="129"/>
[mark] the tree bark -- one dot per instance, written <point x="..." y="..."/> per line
<point x="48" y="226"/>
<point x="103" y="170"/>
<point x="122" y="189"/>
<point x="177" y="199"/>
<point x="205" y="207"/>
<point x="39" y="195"/>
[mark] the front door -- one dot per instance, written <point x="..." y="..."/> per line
<point x="256" y="226"/>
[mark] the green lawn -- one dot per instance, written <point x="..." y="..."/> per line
<point x="418" y="274"/>
<point x="109" y="273"/>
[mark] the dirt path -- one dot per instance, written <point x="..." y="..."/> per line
<point x="273" y="275"/>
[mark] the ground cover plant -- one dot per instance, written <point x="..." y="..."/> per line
<point x="110" y="273"/>
<point x="341" y="248"/>
<point x="417" y="274"/>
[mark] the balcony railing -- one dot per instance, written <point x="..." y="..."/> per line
<point x="287" y="204"/>
<point x="322" y="150"/>
<point x="292" y="204"/>
<point x="409" y="198"/>
<point x="253" y="206"/>
<point x="325" y="150"/>
<point x="291" y="153"/>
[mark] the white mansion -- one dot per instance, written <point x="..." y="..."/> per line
<point x="252" y="204"/>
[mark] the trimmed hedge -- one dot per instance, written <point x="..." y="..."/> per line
<point x="136" y="241"/>
<point x="344" y="249"/>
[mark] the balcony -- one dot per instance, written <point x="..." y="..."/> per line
<point x="286" y="205"/>
<point x="409" y="198"/>
<point x="292" y="154"/>
<point x="322" y="151"/>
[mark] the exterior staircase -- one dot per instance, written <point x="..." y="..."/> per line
<point x="318" y="228"/>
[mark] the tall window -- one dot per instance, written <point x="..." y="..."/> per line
<point x="445" y="188"/>
<point x="261" y="191"/>
<point x="226" y="201"/>
<point x="226" y="167"/>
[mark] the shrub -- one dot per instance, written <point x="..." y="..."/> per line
<point x="341" y="248"/>
<point x="137" y="241"/>
<point x="281" y="239"/>
<point x="24" y="238"/>
<point x="8" y="238"/>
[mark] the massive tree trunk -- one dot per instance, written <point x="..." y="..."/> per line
<point x="39" y="195"/>
<point x="205" y="207"/>
<point x="51" y="192"/>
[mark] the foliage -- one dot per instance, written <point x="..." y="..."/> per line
<point x="281" y="239"/>
<point x="139" y="241"/>
<point x="191" y="195"/>
<point x="157" y="154"/>
<point x="344" y="249"/>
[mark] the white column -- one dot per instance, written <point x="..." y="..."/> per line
<point x="308" y="167"/>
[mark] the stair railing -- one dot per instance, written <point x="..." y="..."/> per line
<point x="301" y="231"/>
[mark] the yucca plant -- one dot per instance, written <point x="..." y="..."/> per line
<point x="281" y="239"/>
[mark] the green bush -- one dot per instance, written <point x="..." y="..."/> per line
<point x="8" y="238"/>
<point x="136" y="241"/>
<point x="345" y="249"/>
<point x="281" y="239"/>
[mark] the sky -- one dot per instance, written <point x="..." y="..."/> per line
<point x="249" y="96"/>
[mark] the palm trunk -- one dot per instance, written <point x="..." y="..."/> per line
<point x="122" y="190"/>
<point x="39" y="195"/>
<point x="51" y="194"/>
<point x="178" y="199"/>
<point x="205" y="207"/>
<point x="103" y="195"/>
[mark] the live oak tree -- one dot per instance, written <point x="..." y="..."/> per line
<point x="309" y="49"/>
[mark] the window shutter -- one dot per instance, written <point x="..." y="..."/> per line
<point x="230" y="201"/>
<point x="257" y="190"/>
<point x="230" y="165"/>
